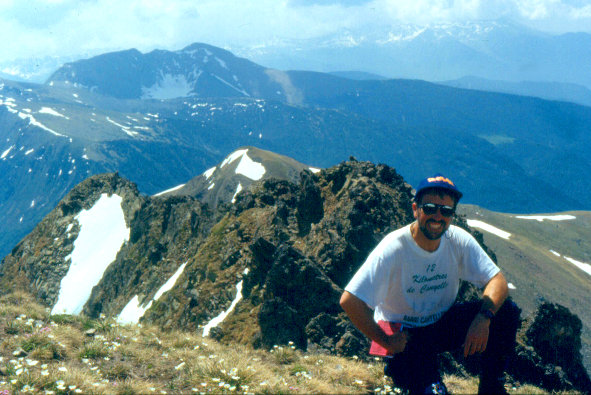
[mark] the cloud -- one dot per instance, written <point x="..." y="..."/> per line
<point x="72" y="27"/>
<point x="345" y="3"/>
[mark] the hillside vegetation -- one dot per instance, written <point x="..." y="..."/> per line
<point x="64" y="354"/>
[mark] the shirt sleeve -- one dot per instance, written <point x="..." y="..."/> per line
<point x="370" y="282"/>
<point x="477" y="267"/>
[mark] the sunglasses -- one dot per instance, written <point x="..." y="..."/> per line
<point x="431" y="209"/>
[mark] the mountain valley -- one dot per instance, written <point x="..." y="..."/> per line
<point x="84" y="122"/>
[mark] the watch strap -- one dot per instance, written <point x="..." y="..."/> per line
<point x="488" y="313"/>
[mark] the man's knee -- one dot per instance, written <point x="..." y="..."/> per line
<point x="505" y="324"/>
<point x="509" y="315"/>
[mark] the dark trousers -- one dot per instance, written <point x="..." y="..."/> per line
<point x="416" y="367"/>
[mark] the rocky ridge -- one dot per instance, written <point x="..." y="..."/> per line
<point x="275" y="262"/>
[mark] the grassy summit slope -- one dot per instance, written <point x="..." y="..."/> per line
<point x="538" y="259"/>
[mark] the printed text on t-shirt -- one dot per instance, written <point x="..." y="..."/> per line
<point x="426" y="281"/>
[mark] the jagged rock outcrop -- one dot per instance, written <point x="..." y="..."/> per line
<point x="549" y="353"/>
<point x="39" y="262"/>
<point x="299" y="244"/>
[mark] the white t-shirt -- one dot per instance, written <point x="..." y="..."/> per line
<point x="404" y="283"/>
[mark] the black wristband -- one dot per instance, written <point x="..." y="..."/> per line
<point x="487" y="313"/>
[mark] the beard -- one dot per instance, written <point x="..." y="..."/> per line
<point x="432" y="234"/>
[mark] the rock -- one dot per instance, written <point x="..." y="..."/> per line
<point x="19" y="352"/>
<point x="555" y="335"/>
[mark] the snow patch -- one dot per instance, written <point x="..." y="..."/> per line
<point x="473" y="223"/>
<point x="238" y="190"/>
<point x="34" y="122"/>
<point x="223" y="64"/>
<point x="51" y="111"/>
<point x="401" y="37"/>
<point x="133" y="311"/>
<point x="102" y="233"/>
<point x="247" y="167"/>
<point x="217" y="320"/>
<point x="233" y="156"/>
<point x="169" y="87"/>
<point x="251" y="169"/>
<point x="208" y="173"/>
<point x="314" y="170"/>
<point x="5" y="153"/>
<point x="581" y="265"/>
<point x="123" y="127"/>
<point x="540" y="218"/>
<point x="170" y="190"/>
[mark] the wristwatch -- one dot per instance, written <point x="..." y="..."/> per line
<point x="487" y="313"/>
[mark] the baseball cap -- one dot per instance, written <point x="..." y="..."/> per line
<point x="438" y="181"/>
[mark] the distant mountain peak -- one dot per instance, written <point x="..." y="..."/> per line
<point x="197" y="70"/>
<point x="237" y="172"/>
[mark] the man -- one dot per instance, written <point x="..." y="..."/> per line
<point x="412" y="277"/>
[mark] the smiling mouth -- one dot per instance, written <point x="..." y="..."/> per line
<point x="435" y="225"/>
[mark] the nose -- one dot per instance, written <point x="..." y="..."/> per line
<point x="438" y="215"/>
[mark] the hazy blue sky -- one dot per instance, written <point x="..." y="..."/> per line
<point x="34" y="28"/>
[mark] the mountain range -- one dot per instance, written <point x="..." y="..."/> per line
<point x="163" y="117"/>
<point x="495" y="50"/>
<point x="544" y="90"/>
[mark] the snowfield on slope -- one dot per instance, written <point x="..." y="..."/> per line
<point x="102" y="233"/>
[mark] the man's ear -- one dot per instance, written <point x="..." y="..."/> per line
<point x="415" y="209"/>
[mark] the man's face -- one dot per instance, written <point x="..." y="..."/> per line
<point x="433" y="226"/>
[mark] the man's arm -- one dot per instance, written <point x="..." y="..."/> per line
<point x="494" y="295"/>
<point x="362" y="317"/>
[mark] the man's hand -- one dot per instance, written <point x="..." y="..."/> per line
<point x="397" y="342"/>
<point x="362" y="317"/>
<point x="477" y="336"/>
